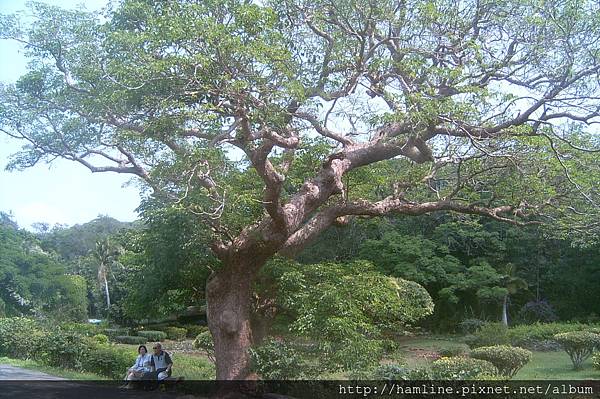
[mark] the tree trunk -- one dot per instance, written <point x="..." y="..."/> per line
<point x="106" y="292"/>
<point x="505" y="311"/>
<point x="228" y="295"/>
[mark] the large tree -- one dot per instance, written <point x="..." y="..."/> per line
<point x="337" y="108"/>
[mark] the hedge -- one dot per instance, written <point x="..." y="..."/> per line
<point x="176" y="333"/>
<point x="152" y="335"/>
<point x="113" y="332"/>
<point x="23" y="338"/>
<point x="538" y="336"/>
<point x="130" y="339"/>
<point x="193" y="330"/>
<point x="530" y="336"/>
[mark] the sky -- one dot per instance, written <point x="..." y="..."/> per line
<point x="63" y="191"/>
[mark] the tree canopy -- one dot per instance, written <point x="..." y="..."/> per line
<point x="489" y="103"/>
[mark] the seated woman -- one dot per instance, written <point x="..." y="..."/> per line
<point x="142" y="365"/>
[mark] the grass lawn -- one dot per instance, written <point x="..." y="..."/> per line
<point x="419" y="351"/>
<point x="58" y="372"/>
<point x="192" y="367"/>
<point x="555" y="366"/>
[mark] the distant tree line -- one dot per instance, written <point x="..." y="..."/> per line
<point x="471" y="267"/>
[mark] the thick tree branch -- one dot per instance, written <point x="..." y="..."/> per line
<point x="388" y="206"/>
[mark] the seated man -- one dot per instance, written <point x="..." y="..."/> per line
<point x="161" y="363"/>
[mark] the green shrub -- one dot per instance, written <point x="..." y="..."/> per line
<point x="470" y="326"/>
<point x="176" y="333"/>
<point x="595" y="330"/>
<point x="113" y="332"/>
<point x="361" y="353"/>
<point x="596" y="360"/>
<point x="193" y="330"/>
<point x="579" y="345"/>
<point x="507" y="359"/>
<point x="275" y="360"/>
<point x="204" y="342"/>
<point x="108" y="360"/>
<point x="461" y="368"/>
<point x="420" y="373"/>
<point x="390" y="372"/>
<point x="64" y="349"/>
<point x="453" y="352"/>
<point x="100" y="339"/>
<point x="21" y="338"/>
<point x="130" y="339"/>
<point x="85" y="329"/>
<point x="538" y="336"/>
<point x="193" y="368"/>
<point x="541" y="335"/>
<point x="537" y="311"/>
<point x="152" y="335"/>
<point x="157" y="327"/>
<point x="489" y="334"/>
<point x="396" y="372"/>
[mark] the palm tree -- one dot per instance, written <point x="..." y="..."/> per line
<point x="107" y="254"/>
<point x="513" y="284"/>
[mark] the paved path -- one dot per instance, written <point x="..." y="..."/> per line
<point x="45" y="386"/>
<point x="17" y="373"/>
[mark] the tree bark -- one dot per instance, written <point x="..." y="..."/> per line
<point x="505" y="311"/>
<point x="106" y="292"/>
<point x="229" y="294"/>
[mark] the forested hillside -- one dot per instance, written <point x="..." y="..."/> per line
<point x="34" y="281"/>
